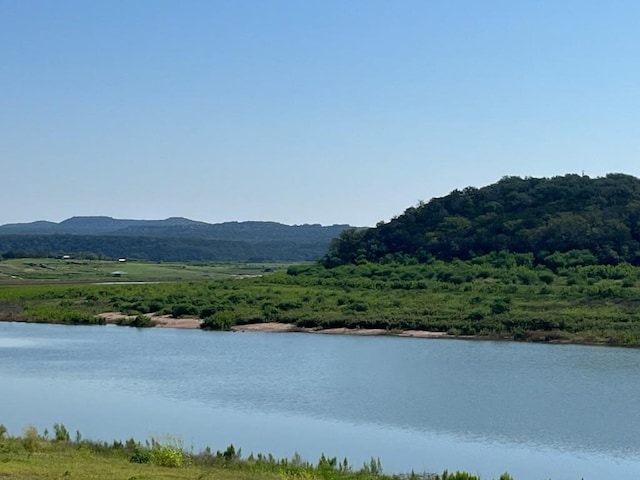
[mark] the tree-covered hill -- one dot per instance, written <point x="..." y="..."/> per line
<point x="165" y="249"/>
<point x="172" y="239"/>
<point x="564" y="220"/>
<point x="177" y="227"/>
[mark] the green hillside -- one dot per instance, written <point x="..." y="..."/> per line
<point x="564" y="220"/>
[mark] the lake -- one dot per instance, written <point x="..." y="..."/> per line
<point x="536" y="411"/>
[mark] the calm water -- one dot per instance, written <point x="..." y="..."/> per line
<point x="536" y="411"/>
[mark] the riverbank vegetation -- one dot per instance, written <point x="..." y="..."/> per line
<point x="500" y="295"/>
<point x="56" y="454"/>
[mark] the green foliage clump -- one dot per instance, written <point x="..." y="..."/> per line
<point x="457" y="476"/>
<point x="31" y="441"/>
<point x="167" y="456"/>
<point x="218" y="321"/>
<point x="182" y="310"/>
<point x="230" y="454"/>
<point x="140" y="321"/>
<point x="140" y="455"/>
<point x="61" y="434"/>
<point x="167" y="452"/>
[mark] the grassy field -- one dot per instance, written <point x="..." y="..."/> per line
<point x="37" y="455"/>
<point x="48" y="270"/>
<point x="58" y="461"/>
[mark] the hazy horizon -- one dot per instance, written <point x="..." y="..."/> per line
<point x="324" y="112"/>
<point x="218" y="222"/>
<point x="158" y="219"/>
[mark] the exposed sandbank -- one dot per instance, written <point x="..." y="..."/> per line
<point x="287" y="327"/>
<point x="167" y="321"/>
<point x="160" y="321"/>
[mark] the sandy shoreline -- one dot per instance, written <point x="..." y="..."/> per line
<point x="159" y="321"/>
<point x="287" y="327"/>
<point x="167" y="321"/>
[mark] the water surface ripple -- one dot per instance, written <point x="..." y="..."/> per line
<point x="537" y="411"/>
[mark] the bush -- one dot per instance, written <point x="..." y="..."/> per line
<point x="546" y="277"/>
<point x="358" y="307"/>
<point x="167" y="456"/>
<point x="499" y="306"/>
<point x="178" y="311"/>
<point x="140" y="321"/>
<point x="219" y="321"/>
<point x="140" y="455"/>
<point x="61" y="434"/>
<point x="30" y="439"/>
<point x="230" y="454"/>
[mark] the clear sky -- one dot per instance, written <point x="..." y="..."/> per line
<point x="305" y="111"/>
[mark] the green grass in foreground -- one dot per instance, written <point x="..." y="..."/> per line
<point x="35" y="456"/>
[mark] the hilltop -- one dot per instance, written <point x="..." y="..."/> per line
<point x="564" y="220"/>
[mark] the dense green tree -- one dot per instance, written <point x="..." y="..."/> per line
<point x="599" y="217"/>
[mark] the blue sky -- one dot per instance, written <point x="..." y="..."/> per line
<point x="325" y="111"/>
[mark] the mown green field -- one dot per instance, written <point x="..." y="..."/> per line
<point x="47" y="270"/>
<point x="498" y="296"/>
<point x="55" y="455"/>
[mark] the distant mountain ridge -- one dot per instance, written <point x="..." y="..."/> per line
<point x="90" y="225"/>
<point x="172" y="227"/>
<point x="174" y="238"/>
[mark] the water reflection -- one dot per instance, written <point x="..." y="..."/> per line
<point x="537" y="410"/>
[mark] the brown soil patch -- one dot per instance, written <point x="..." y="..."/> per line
<point x="353" y="331"/>
<point x="422" y="334"/>
<point x="287" y="327"/>
<point x="161" y="321"/>
<point x="167" y="321"/>
<point x="267" y="327"/>
<point x="114" y="317"/>
<point x="10" y="311"/>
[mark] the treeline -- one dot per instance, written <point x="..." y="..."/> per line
<point x="564" y="220"/>
<point x="172" y="239"/>
<point x="176" y="227"/>
<point x="166" y="249"/>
